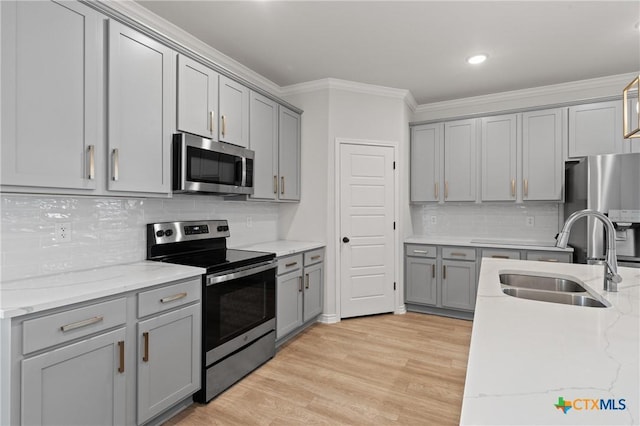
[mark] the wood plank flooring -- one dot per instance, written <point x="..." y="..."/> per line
<point x="384" y="369"/>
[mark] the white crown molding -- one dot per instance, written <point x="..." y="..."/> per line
<point x="160" y="25"/>
<point x="350" y="86"/>
<point x="611" y="84"/>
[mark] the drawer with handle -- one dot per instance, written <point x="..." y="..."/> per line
<point x="314" y="256"/>
<point x="50" y="330"/>
<point x="501" y="254"/>
<point x="549" y="256"/>
<point x="289" y="264"/>
<point x="169" y="297"/>
<point x="418" y="250"/>
<point x="459" y="253"/>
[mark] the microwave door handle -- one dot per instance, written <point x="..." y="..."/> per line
<point x="244" y="172"/>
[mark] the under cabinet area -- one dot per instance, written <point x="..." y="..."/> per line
<point x="299" y="290"/>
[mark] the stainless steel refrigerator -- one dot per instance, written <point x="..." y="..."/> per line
<point x="609" y="184"/>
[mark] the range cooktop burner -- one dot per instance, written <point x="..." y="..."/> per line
<point x="221" y="260"/>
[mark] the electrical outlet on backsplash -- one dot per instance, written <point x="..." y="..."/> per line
<point x="539" y="221"/>
<point x="109" y="231"/>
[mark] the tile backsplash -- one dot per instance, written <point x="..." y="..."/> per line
<point x="488" y="220"/>
<point x="108" y="231"/>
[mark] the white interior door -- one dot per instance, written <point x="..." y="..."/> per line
<point x="367" y="266"/>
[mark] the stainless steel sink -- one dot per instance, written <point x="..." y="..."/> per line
<point x="576" y="299"/>
<point x="541" y="283"/>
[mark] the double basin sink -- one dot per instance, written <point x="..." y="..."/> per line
<point x="549" y="289"/>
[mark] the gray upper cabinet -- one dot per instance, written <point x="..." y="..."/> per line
<point x="197" y="98"/>
<point x="141" y="111"/>
<point x="542" y="162"/>
<point x="596" y="129"/>
<point x="51" y="94"/>
<point x="263" y="140"/>
<point x="79" y="384"/>
<point x="499" y="147"/>
<point x="426" y="159"/>
<point x="289" y="146"/>
<point x="234" y="112"/>
<point x="460" y="161"/>
<point x="634" y="143"/>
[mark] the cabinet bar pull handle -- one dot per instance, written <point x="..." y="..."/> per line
<point x="513" y="187"/>
<point x="457" y="253"/>
<point x="444" y="272"/>
<point x="421" y="251"/>
<point x="224" y="125"/>
<point x="435" y="190"/>
<point x="300" y="284"/>
<point x="121" y="350"/>
<point x="275" y="184"/>
<point x="289" y="265"/>
<point x="212" y="115"/>
<point x="433" y="271"/>
<point x="306" y="285"/>
<point x="81" y="324"/>
<point x="446" y="189"/>
<point x="526" y="187"/>
<point x="115" y="160"/>
<point x="174" y="297"/>
<point x="315" y="257"/>
<point x="91" y="150"/>
<point x="548" y="260"/>
<point x="499" y="256"/>
<point x="145" y="356"/>
<point x="282" y="184"/>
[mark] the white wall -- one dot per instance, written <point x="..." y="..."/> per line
<point x="108" y="231"/>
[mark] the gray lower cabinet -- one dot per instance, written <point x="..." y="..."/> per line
<point x="422" y="284"/>
<point x="79" y="384"/>
<point x="459" y="284"/>
<point x="300" y="285"/>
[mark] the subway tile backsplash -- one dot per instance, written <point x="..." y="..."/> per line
<point x="488" y="220"/>
<point x="108" y="231"/>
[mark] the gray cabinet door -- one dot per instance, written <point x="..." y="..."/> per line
<point x="458" y="284"/>
<point x="168" y="360"/>
<point x="51" y="71"/>
<point x="499" y="145"/>
<point x="542" y="163"/>
<point x="426" y="150"/>
<point x="632" y="108"/>
<point x="421" y="281"/>
<point x="79" y="384"/>
<point x="289" y="303"/>
<point x="141" y="111"/>
<point x="234" y="112"/>
<point x="289" y="155"/>
<point x="197" y="98"/>
<point x="460" y="161"/>
<point x="595" y="129"/>
<point x="313" y="283"/>
<point x="263" y="140"/>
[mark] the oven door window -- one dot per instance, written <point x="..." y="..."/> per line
<point x="236" y="306"/>
<point x="213" y="167"/>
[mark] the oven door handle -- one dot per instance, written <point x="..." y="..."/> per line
<point x="240" y="272"/>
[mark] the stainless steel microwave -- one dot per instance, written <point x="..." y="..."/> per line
<point x="201" y="165"/>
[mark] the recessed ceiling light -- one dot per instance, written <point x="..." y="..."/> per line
<point x="477" y="59"/>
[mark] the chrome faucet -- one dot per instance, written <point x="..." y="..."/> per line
<point x="611" y="277"/>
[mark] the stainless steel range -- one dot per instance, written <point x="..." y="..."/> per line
<point x="239" y="288"/>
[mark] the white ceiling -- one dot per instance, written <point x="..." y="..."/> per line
<point x="419" y="45"/>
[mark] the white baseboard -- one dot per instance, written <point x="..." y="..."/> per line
<point x="329" y="319"/>
<point x="400" y="310"/>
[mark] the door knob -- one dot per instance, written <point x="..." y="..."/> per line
<point x="345" y="240"/>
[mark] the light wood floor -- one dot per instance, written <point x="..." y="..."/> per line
<point x="384" y="369"/>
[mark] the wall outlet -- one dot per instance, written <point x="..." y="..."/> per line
<point x="249" y="222"/>
<point x="62" y="232"/>
<point x="433" y="220"/>
<point x="530" y="222"/>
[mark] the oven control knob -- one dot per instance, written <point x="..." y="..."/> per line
<point x="159" y="233"/>
<point x="168" y="233"/>
<point x="222" y="228"/>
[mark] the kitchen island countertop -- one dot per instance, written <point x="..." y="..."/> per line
<point x="526" y="357"/>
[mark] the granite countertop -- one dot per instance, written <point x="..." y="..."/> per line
<point x="526" y="354"/>
<point x="283" y="247"/>
<point x="29" y="295"/>
<point x="504" y="243"/>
